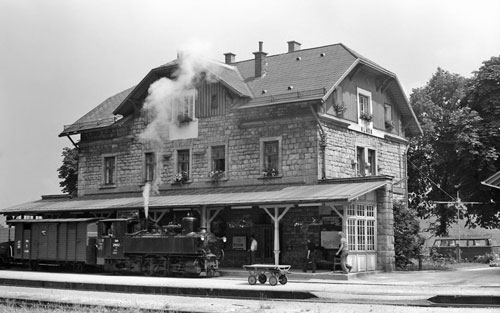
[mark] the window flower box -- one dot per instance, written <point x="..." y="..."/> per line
<point x="366" y="116"/>
<point x="181" y="178"/>
<point x="389" y="125"/>
<point x="216" y="175"/>
<point x="339" y="108"/>
<point x="183" y="119"/>
<point x="270" y="172"/>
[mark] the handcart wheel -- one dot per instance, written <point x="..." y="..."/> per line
<point x="262" y="278"/>
<point x="273" y="281"/>
<point x="282" y="279"/>
<point x="252" y="280"/>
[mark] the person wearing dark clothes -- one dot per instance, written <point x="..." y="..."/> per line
<point x="310" y="256"/>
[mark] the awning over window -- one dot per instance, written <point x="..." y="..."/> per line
<point x="234" y="196"/>
<point x="493" y="181"/>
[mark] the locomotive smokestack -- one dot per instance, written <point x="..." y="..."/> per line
<point x="203" y="221"/>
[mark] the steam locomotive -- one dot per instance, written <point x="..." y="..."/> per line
<point x="115" y="245"/>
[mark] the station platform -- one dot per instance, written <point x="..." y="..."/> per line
<point x="303" y="291"/>
<point x="232" y="283"/>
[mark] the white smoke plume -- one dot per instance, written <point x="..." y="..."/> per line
<point x="145" y="194"/>
<point x="167" y="93"/>
<point x="163" y="97"/>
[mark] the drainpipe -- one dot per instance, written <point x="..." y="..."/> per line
<point x="322" y="141"/>
<point x="406" y="173"/>
<point x="405" y="177"/>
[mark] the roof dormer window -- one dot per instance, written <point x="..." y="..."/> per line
<point x="365" y="110"/>
<point x="183" y="108"/>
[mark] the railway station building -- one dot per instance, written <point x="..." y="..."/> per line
<point x="289" y="147"/>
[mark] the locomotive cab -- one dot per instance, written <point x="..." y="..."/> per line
<point x="109" y="239"/>
<point x="6" y="249"/>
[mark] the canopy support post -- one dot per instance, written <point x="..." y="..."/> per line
<point x="276" y="217"/>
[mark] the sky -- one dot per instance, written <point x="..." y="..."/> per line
<point x="61" y="58"/>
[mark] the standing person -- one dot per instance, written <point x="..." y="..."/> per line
<point x="344" y="252"/>
<point x="253" y="248"/>
<point x="310" y="255"/>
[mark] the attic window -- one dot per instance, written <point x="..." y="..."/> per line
<point x="290" y="87"/>
<point x="183" y="107"/>
<point x="322" y="54"/>
<point x="214" y="104"/>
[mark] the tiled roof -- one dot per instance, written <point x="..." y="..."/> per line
<point x="227" y="74"/>
<point x="235" y="196"/>
<point x="304" y="70"/>
<point x="493" y="181"/>
<point x="100" y="116"/>
<point x="307" y="74"/>
<point x="233" y="80"/>
<point x="310" y="74"/>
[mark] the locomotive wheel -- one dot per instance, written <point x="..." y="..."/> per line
<point x="273" y="281"/>
<point x="220" y="255"/>
<point x="148" y="268"/>
<point x="34" y="266"/>
<point x="262" y="278"/>
<point x="252" y="280"/>
<point x="79" y="267"/>
<point x="212" y="273"/>
<point x="282" y="279"/>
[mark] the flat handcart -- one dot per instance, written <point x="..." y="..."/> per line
<point x="260" y="272"/>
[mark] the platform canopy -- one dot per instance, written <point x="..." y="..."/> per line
<point x="265" y="195"/>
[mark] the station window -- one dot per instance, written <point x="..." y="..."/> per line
<point x="271" y="156"/>
<point x="149" y="167"/>
<point x="388" y="112"/>
<point x="218" y="156"/>
<point x="109" y="170"/>
<point x="366" y="161"/>
<point x="183" y="163"/>
<point x="361" y="226"/>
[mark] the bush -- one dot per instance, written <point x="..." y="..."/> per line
<point x="407" y="241"/>
<point x="485" y="258"/>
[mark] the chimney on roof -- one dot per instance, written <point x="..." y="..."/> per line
<point x="293" y="46"/>
<point x="230" y="57"/>
<point x="260" y="61"/>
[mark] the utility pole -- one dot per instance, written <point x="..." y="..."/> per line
<point x="459" y="205"/>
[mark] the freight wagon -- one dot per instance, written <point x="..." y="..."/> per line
<point x="69" y="243"/>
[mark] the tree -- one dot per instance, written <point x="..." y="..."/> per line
<point x="452" y="152"/>
<point x="483" y="96"/>
<point x="69" y="171"/>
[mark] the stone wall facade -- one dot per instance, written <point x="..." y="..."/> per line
<point x="385" y="231"/>
<point x="341" y="152"/>
<point x="242" y="132"/>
